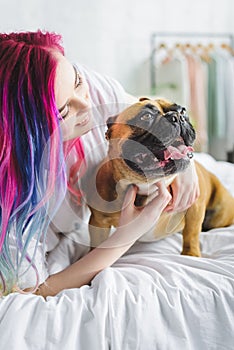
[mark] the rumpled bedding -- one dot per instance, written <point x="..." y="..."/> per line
<point x="150" y="299"/>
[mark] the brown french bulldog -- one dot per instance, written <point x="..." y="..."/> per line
<point x="151" y="141"/>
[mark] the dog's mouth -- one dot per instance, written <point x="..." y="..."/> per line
<point x="170" y="160"/>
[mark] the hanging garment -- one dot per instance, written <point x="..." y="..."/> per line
<point x="217" y="105"/>
<point x="172" y="78"/>
<point x="229" y="93"/>
<point x="198" y="100"/>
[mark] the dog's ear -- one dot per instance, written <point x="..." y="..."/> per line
<point x="175" y="108"/>
<point x="166" y="105"/>
<point x="144" y="99"/>
<point x="110" y="121"/>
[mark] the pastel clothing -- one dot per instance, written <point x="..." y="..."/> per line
<point x="197" y="104"/>
<point x="230" y="104"/>
<point x="220" y="107"/>
<point x="172" y="78"/>
<point x="68" y="238"/>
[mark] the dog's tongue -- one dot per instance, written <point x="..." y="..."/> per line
<point x="177" y="152"/>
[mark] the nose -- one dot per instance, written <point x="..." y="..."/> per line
<point x="81" y="102"/>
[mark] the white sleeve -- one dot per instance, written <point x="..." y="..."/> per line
<point x="30" y="274"/>
<point x="103" y="89"/>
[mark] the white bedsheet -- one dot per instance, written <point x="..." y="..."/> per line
<point x="151" y="299"/>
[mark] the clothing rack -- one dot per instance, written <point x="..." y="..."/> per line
<point x="155" y="37"/>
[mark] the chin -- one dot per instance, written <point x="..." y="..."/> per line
<point x="79" y="130"/>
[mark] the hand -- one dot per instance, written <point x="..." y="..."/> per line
<point x="134" y="222"/>
<point x="185" y="190"/>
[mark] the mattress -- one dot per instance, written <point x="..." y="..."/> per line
<point x="152" y="298"/>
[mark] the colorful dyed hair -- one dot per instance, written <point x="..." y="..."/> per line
<point x="32" y="170"/>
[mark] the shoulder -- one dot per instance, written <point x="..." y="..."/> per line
<point x="103" y="89"/>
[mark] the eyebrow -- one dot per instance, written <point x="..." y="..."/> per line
<point x="76" y="77"/>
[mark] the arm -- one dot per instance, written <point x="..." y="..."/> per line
<point x="132" y="225"/>
<point x="185" y="190"/>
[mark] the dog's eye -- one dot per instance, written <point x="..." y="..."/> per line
<point x="146" y="117"/>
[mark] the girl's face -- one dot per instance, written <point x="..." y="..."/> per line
<point x="72" y="100"/>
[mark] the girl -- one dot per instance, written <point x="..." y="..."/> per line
<point x="52" y="126"/>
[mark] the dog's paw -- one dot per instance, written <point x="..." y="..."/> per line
<point x="191" y="252"/>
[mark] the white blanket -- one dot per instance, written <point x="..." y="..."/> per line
<point x="151" y="299"/>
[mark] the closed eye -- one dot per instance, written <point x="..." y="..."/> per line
<point x="64" y="113"/>
<point x="78" y="78"/>
<point x="65" y="110"/>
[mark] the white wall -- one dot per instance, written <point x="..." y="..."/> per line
<point x="113" y="36"/>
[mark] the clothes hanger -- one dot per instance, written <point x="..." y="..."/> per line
<point x="227" y="47"/>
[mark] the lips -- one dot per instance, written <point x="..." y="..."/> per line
<point x="84" y="121"/>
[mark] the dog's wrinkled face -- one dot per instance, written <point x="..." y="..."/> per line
<point x="153" y="138"/>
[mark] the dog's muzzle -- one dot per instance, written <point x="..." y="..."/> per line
<point x="162" y="146"/>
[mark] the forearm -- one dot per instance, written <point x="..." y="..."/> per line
<point x="133" y="224"/>
<point x="85" y="269"/>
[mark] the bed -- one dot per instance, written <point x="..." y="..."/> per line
<point x="151" y="299"/>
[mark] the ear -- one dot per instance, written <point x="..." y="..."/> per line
<point x="110" y="121"/>
<point x="165" y="105"/>
<point x="175" y="108"/>
<point x="144" y="99"/>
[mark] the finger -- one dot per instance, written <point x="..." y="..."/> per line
<point x="185" y="203"/>
<point x="162" y="198"/>
<point x="175" y="199"/>
<point x="130" y="197"/>
<point x="193" y="197"/>
<point x="197" y="193"/>
<point x="161" y="187"/>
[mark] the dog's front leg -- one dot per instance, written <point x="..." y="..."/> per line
<point x="193" y="225"/>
